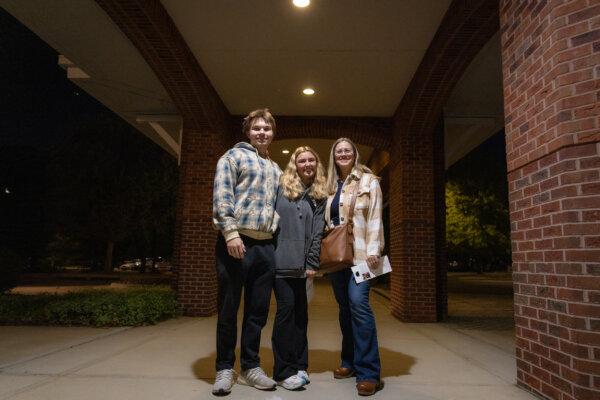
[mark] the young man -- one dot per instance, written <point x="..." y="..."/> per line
<point x="244" y="194"/>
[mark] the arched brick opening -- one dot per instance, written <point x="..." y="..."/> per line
<point x="208" y="130"/>
<point x="418" y="289"/>
<point x="417" y="208"/>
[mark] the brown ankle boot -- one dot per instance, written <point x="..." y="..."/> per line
<point x="367" y="388"/>
<point x="343" y="373"/>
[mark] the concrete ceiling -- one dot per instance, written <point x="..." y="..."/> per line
<point x="359" y="55"/>
<point x="475" y="109"/>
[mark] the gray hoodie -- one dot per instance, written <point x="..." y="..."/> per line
<point x="298" y="238"/>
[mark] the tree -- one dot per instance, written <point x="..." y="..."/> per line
<point x="113" y="186"/>
<point x="476" y="227"/>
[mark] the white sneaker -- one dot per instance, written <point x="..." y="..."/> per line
<point x="257" y="378"/>
<point x="304" y="375"/>
<point x="294" y="382"/>
<point x="223" y="382"/>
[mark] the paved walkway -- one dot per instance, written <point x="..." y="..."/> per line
<point x="174" y="360"/>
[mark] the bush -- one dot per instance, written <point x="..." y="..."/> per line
<point x="132" y="307"/>
<point x="11" y="267"/>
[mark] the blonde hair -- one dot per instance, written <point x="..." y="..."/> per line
<point x="333" y="174"/>
<point x="292" y="184"/>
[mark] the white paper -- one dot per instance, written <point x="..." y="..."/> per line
<point x="362" y="272"/>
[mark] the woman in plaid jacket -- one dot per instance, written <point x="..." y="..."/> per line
<point x="360" y="350"/>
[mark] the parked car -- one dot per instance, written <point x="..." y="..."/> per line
<point x="162" y="265"/>
<point x="130" y="265"/>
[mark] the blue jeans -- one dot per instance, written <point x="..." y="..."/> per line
<point x="360" y="350"/>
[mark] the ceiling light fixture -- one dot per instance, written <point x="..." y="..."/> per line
<point x="285" y="151"/>
<point x="301" y="3"/>
<point x="308" y="91"/>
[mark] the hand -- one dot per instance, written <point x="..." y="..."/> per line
<point x="372" y="261"/>
<point x="310" y="273"/>
<point x="236" y="248"/>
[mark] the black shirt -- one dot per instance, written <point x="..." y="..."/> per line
<point x="335" y="205"/>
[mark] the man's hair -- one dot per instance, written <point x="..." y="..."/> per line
<point x="263" y="113"/>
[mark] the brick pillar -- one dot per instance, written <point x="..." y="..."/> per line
<point x="195" y="277"/>
<point x="413" y="195"/>
<point x="441" y="256"/>
<point x="551" y="57"/>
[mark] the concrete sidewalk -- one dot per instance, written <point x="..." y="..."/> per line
<point x="175" y="360"/>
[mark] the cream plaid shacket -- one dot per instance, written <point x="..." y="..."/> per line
<point x="368" y="223"/>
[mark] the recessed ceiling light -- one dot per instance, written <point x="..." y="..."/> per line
<point x="285" y="151"/>
<point x="301" y="3"/>
<point x="308" y="91"/>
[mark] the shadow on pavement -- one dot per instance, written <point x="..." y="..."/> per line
<point x="393" y="363"/>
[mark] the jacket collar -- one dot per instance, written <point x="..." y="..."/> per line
<point x="249" y="147"/>
<point x="246" y="146"/>
<point x="356" y="173"/>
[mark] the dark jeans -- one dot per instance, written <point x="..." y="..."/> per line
<point x="360" y="350"/>
<point x="255" y="274"/>
<point x="290" y="345"/>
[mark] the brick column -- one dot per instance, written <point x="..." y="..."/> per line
<point x="416" y="290"/>
<point x="441" y="256"/>
<point x="551" y="53"/>
<point x="195" y="277"/>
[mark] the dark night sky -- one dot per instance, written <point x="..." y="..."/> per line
<point x="43" y="116"/>
<point x="35" y="102"/>
<point x="37" y="96"/>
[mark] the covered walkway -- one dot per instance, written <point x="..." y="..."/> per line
<point x="174" y="360"/>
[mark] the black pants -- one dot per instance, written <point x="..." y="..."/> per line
<point x="290" y="346"/>
<point x="255" y="274"/>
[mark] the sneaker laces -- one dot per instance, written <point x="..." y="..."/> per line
<point x="255" y="373"/>
<point x="225" y="374"/>
<point x="295" y="379"/>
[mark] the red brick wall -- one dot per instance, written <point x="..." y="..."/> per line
<point x="195" y="240"/>
<point x="441" y="257"/>
<point x="412" y="230"/>
<point x="368" y="131"/>
<point x="551" y="57"/>
<point x="374" y="132"/>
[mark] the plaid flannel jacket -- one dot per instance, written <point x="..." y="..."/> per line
<point x="244" y="193"/>
<point x="368" y="223"/>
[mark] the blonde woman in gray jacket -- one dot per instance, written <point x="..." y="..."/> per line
<point x="300" y="205"/>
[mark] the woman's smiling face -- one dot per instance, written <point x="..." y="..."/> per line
<point x="344" y="155"/>
<point x="306" y="166"/>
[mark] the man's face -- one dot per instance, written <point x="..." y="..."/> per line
<point x="260" y="134"/>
